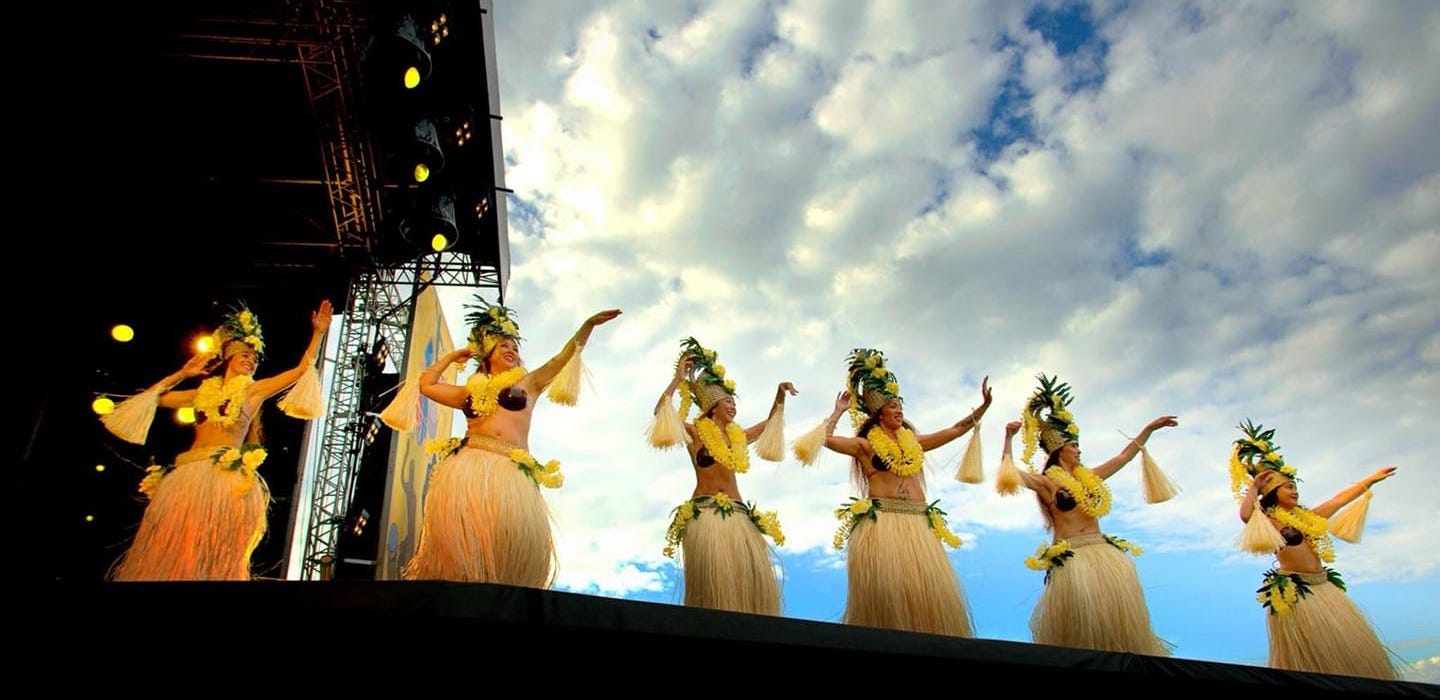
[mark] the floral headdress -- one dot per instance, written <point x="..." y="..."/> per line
<point x="239" y="324"/>
<point x="1056" y="426"/>
<point x="870" y="382"/>
<point x="490" y="324"/>
<point x="706" y="384"/>
<point x="1254" y="453"/>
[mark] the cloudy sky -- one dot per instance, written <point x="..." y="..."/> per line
<point x="1215" y="210"/>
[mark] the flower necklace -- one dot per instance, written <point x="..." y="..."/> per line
<point x="1311" y="525"/>
<point x="904" y="459"/>
<point x="223" y="400"/>
<point x="1091" y="494"/>
<point x="485" y="389"/>
<point x="735" y="455"/>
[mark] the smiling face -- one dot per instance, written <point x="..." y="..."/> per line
<point x="1069" y="454"/>
<point x="724" y="410"/>
<point x="892" y="415"/>
<point x="505" y="356"/>
<point x="241" y="361"/>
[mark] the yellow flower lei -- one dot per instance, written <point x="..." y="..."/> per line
<point x="735" y="455"/>
<point x="1049" y="556"/>
<point x="153" y="475"/>
<point x="859" y="509"/>
<point x="683" y="514"/>
<point x="1091" y="494"/>
<point x="485" y="389"/>
<point x="1280" y="592"/>
<point x="223" y="400"/>
<point x="768" y="523"/>
<point x="1311" y="525"/>
<point x="905" y="459"/>
<point x="547" y="474"/>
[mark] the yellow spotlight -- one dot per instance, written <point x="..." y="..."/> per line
<point x="412" y="77"/>
<point x="89" y="518"/>
<point x="185" y="415"/>
<point x="439" y="242"/>
<point x="205" y="344"/>
<point x="99" y="467"/>
<point x="102" y="405"/>
<point x="122" y="333"/>
<point x="422" y="172"/>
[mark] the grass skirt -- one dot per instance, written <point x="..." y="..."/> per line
<point x="727" y="563"/>
<point x="202" y="524"/>
<point x="1094" y="601"/>
<point x="1327" y="633"/>
<point x="900" y="577"/>
<point x="485" y="521"/>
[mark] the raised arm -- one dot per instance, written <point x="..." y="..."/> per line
<point x="939" y="438"/>
<point x="853" y="446"/>
<point x="194" y="367"/>
<point x="1250" y="502"/>
<point x="1342" y="499"/>
<point x="442" y="392"/>
<point x="752" y="433"/>
<point x="682" y="370"/>
<point x="270" y="386"/>
<point x="1132" y="448"/>
<point x="1032" y="481"/>
<point x="542" y="377"/>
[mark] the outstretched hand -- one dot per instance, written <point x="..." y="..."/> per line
<point x="682" y="370"/>
<point x="602" y="317"/>
<point x="461" y="355"/>
<point x="320" y="319"/>
<point x="1382" y="475"/>
<point x="1011" y="428"/>
<point x="198" y="365"/>
<point x="1162" y="422"/>
<point x="842" y="401"/>
<point x="787" y="388"/>
<point x="985" y="392"/>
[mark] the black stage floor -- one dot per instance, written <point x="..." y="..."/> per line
<point x="370" y="635"/>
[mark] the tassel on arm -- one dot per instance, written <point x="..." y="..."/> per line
<point x="131" y="419"/>
<point x="403" y="412"/>
<point x="1008" y="481"/>
<point x="1349" y="524"/>
<point x="304" y="400"/>
<point x="770" y="446"/>
<point x="1157" y="485"/>
<point x="1260" y="535"/>
<point x="565" y="390"/>
<point x="666" y="429"/>
<point x="972" y="468"/>
<point x="807" y="447"/>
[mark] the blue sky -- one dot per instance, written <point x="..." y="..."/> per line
<point x="1215" y="210"/>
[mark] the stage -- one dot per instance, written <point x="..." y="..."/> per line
<point x="453" y="635"/>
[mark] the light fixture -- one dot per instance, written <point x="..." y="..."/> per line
<point x="434" y="226"/>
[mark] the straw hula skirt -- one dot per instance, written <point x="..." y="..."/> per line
<point x="900" y="577"/>
<point x="202" y="524"/>
<point x="1321" y="630"/>
<point x="726" y="560"/>
<point x="485" y="521"/>
<point x="1094" y="601"/>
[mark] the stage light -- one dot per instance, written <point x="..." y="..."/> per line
<point x="122" y="333"/>
<point x="89" y="518"/>
<point x="381" y="353"/>
<point x="425" y="151"/>
<point x="435" y="225"/>
<point x="204" y="344"/>
<point x="99" y="467"/>
<point x="185" y="415"/>
<point x="360" y="522"/>
<point x="410" y="53"/>
<point x="102" y="405"/>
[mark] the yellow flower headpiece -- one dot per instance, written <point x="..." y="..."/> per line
<point x="490" y="324"/>
<point x="1254" y="453"/>
<point x="239" y="324"/>
<point x="706" y="384"/>
<point x="1047" y="418"/>
<point x="871" y="383"/>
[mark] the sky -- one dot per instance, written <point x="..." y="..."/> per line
<point x="1219" y="211"/>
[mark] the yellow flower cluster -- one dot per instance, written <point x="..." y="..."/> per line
<point x="547" y="474"/>
<point x="1313" y="526"/>
<point x="683" y="514"/>
<point x="444" y="447"/>
<point x="769" y="525"/>
<point x="245" y="459"/>
<point x="223" y="400"/>
<point x="485" y="389"/>
<point x="1281" y="592"/>
<point x="850" y="515"/>
<point x="153" y="474"/>
<point x="905" y="459"/>
<point x="735" y="456"/>
<point x="1124" y="545"/>
<point x="1029" y="437"/>
<point x="1091" y="494"/>
<point x="942" y="530"/>
<point x="1049" y="556"/>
